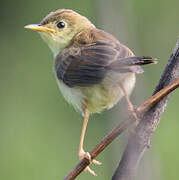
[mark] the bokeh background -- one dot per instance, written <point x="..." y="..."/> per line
<point x="39" y="131"/>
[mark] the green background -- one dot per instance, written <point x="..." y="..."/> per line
<point x="39" y="131"/>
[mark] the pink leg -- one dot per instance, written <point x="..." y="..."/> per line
<point x="81" y="153"/>
<point x="130" y="106"/>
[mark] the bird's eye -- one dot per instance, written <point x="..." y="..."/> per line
<point x="61" y="25"/>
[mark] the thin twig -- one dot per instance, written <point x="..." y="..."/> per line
<point x="119" y="129"/>
<point x="158" y="96"/>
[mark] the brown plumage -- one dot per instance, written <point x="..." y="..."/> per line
<point x="93" y="69"/>
<point x="91" y="55"/>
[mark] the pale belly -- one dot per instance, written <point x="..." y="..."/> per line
<point x="99" y="97"/>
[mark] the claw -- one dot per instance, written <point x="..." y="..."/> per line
<point x="87" y="169"/>
<point x="133" y="113"/>
<point x="94" y="161"/>
<point x="82" y="154"/>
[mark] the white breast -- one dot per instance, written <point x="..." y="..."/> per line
<point x="72" y="95"/>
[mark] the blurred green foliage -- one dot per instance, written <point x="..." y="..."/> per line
<point x="39" y="131"/>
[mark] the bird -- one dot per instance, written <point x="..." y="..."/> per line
<point x="92" y="68"/>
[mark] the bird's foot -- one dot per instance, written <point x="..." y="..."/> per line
<point x="82" y="154"/>
<point x="133" y="113"/>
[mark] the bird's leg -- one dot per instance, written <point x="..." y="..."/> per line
<point x="130" y="107"/>
<point x="81" y="153"/>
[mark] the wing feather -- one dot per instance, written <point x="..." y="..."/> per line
<point x="87" y="65"/>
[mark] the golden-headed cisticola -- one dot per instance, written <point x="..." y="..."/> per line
<point x="92" y="68"/>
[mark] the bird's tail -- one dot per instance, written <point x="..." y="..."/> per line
<point x="124" y="64"/>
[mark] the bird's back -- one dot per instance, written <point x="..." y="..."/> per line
<point x="93" y="35"/>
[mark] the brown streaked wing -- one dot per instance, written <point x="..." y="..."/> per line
<point x="87" y="65"/>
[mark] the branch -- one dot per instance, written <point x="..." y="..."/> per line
<point x="140" y="139"/>
<point x="141" y="110"/>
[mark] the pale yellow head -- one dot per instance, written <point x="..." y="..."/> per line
<point x="59" y="28"/>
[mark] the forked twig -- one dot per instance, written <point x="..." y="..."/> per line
<point x="149" y="113"/>
<point x="142" y="135"/>
<point x="121" y="128"/>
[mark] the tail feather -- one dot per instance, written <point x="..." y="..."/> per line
<point x="136" y="61"/>
<point x="125" y="64"/>
<point x="133" y="61"/>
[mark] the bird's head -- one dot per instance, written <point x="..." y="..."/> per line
<point x="59" y="28"/>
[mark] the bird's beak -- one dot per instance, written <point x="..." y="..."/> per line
<point x="39" y="27"/>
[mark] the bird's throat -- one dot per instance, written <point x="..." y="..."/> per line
<point x="55" y="44"/>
